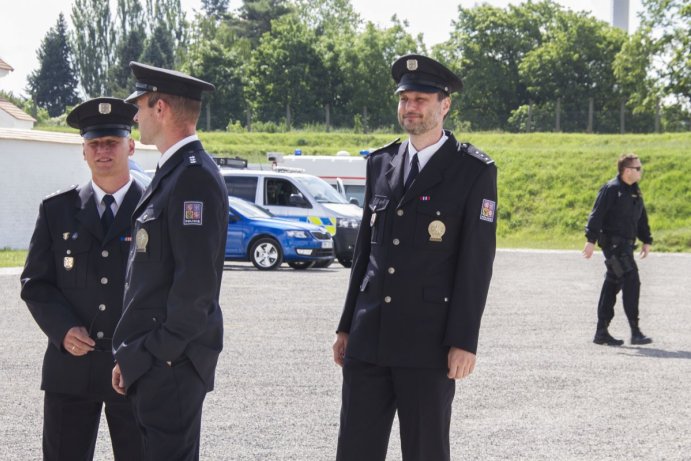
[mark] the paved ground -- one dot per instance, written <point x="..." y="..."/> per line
<point x="541" y="390"/>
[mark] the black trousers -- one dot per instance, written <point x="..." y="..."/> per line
<point x="373" y="394"/>
<point x="70" y="428"/>
<point x="628" y="283"/>
<point x="167" y="404"/>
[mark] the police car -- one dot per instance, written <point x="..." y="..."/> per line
<point x="257" y="236"/>
<point x="300" y="197"/>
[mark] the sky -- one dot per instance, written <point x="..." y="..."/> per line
<point x="21" y="32"/>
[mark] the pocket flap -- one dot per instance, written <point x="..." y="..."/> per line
<point x="378" y="203"/>
<point x="151" y="213"/>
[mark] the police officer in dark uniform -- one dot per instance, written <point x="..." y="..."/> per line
<point x="617" y="218"/>
<point x="73" y="281"/>
<point x="420" y="277"/>
<point x="171" y="331"/>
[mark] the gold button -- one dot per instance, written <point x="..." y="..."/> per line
<point x="101" y="307"/>
<point x="387" y="299"/>
<point x="104" y="280"/>
<point x="391" y="270"/>
<point x="396" y="241"/>
<point x="399" y="212"/>
<point x="104" y="253"/>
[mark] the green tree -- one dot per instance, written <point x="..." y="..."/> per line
<point x="216" y="9"/>
<point x="130" y="39"/>
<point x="159" y="49"/>
<point x="284" y="74"/>
<point x="255" y="18"/>
<point x="53" y="85"/>
<point x="93" y="38"/>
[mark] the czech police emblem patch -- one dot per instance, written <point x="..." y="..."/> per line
<point x="192" y="213"/>
<point x="488" y="210"/>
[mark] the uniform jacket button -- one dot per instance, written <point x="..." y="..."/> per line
<point x="99" y="335"/>
<point x="387" y="299"/>
<point x="104" y="280"/>
<point x="104" y="253"/>
<point x="391" y="270"/>
<point x="399" y="212"/>
<point x="396" y="241"/>
<point x="101" y="307"/>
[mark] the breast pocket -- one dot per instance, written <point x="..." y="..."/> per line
<point x="148" y="234"/>
<point x="437" y="226"/>
<point x="378" y="205"/>
<point x="72" y="261"/>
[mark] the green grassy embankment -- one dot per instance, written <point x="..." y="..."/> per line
<point x="547" y="181"/>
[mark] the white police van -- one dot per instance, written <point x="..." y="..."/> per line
<point x="302" y="197"/>
<point x="345" y="173"/>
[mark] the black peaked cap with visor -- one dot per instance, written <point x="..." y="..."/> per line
<point x="414" y="72"/>
<point x="100" y="117"/>
<point x="151" y="79"/>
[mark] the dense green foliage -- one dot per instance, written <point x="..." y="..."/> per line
<point x="285" y="64"/>
<point x="53" y="85"/>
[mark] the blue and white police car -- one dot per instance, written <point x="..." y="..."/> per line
<point x="255" y="235"/>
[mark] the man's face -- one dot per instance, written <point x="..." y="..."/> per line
<point x="146" y="119"/>
<point x="633" y="172"/>
<point x="107" y="156"/>
<point x="419" y="113"/>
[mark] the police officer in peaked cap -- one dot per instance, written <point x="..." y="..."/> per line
<point x="73" y="282"/>
<point x="171" y="331"/>
<point x="420" y="276"/>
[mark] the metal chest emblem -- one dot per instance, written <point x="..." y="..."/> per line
<point x="68" y="263"/>
<point x="436" y="230"/>
<point x="141" y="240"/>
<point x="373" y="219"/>
<point x="104" y="108"/>
<point x="411" y="64"/>
<point x="65" y="235"/>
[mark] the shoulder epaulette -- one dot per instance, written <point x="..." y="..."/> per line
<point x="59" y="192"/>
<point x="191" y="159"/>
<point x="477" y="153"/>
<point x="383" y="148"/>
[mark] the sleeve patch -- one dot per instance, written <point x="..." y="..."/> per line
<point x="488" y="210"/>
<point x="192" y="213"/>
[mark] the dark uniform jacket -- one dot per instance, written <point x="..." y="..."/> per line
<point x="171" y="311"/>
<point x="74" y="276"/>
<point x="423" y="259"/>
<point x="619" y="212"/>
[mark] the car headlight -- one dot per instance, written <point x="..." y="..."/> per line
<point x="348" y="223"/>
<point x="297" y="234"/>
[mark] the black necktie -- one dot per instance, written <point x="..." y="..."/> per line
<point x="414" y="170"/>
<point x="107" y="217"/>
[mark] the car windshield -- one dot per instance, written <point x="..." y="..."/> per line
<point x="320" y="190"/>
<point x="247" y="209"/>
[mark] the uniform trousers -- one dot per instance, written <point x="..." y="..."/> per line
<point x="70" y="428"/>
<point x="629" y="284"/>
<point x="167" y="402"/>
<point x="373" y="394"/>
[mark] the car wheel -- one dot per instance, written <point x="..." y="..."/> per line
<point x="266" y="254"/>
<point x="323" y="264"/>
<point x="345" y="262"/>
<point x="301" y="265"/>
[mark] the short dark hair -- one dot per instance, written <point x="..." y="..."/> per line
<point x="625" y="161"/>
<point x="185" y="110"/>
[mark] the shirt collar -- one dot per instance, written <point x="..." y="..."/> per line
<point x="175" y="147"/>
<point x="118" y="195"/>
<point x="425" y="154"/>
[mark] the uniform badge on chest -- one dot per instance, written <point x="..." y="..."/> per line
<point x="436" y="230"/>
<point x="141" y="240"/>
<point x="68" y="263"/>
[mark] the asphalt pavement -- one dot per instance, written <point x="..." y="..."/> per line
<point x="541" y="389"/>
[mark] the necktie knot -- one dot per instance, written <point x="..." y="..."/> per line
<point x="108" y="200"/>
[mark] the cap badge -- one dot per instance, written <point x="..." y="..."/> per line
<point x="104" y="108"/>
<point x="411" y="64"/>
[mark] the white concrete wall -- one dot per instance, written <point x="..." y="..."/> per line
<point x="34" y="164"/>
<point x="7" y="121"/>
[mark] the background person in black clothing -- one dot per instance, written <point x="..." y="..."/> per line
<point x="73" y="282"/>
<point x="617" y="219"/>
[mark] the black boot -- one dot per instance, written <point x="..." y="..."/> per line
<point x="638" y="338"/>
<point x="602" y="336"/>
